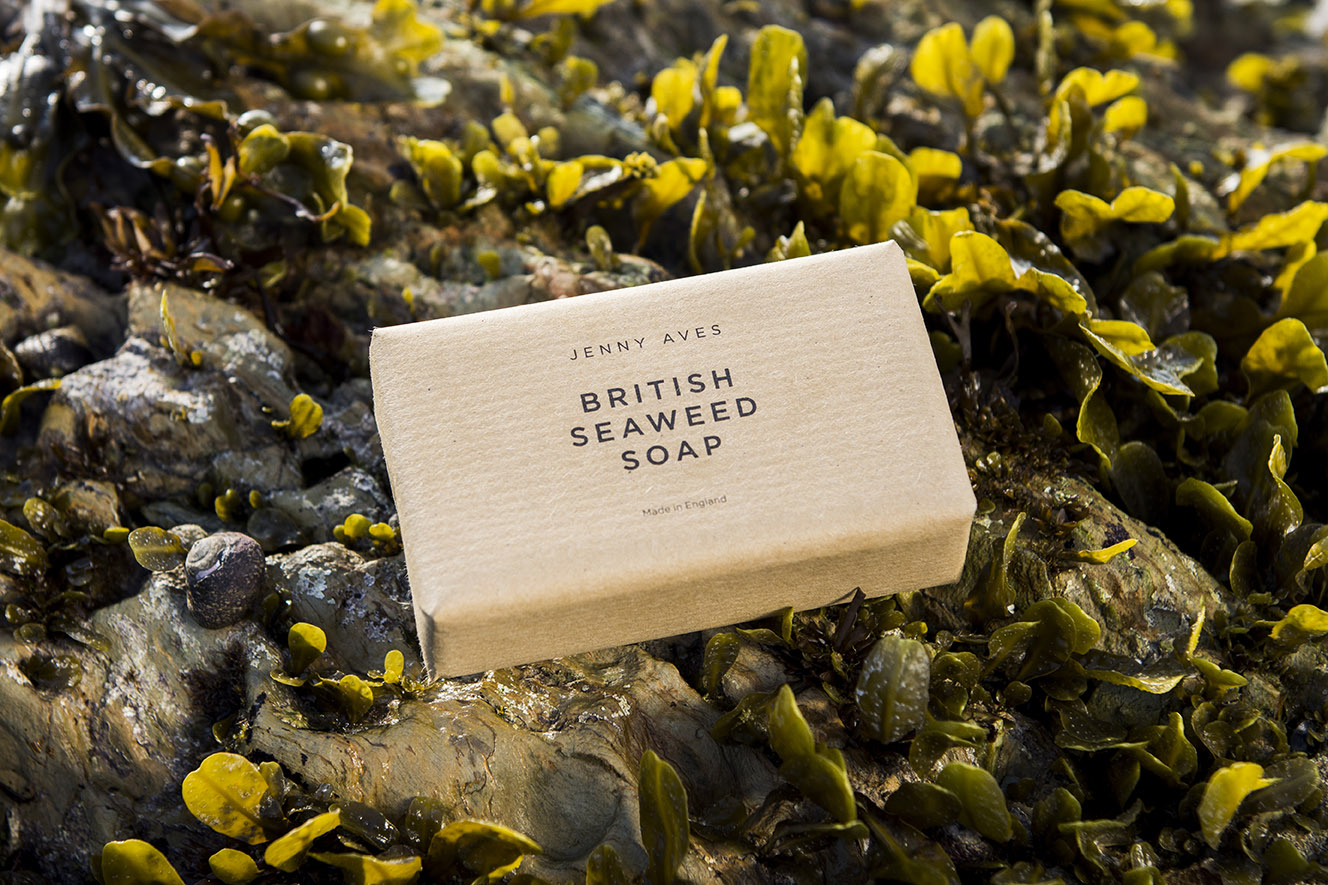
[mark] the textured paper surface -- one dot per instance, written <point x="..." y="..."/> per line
<point x="830" y="462"/>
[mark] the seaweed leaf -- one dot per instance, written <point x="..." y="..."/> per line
<point x="826" y="151"/>
<point x="1097" y="88"/>
<point x="1213" y="506"/>
<point x="908" y="856"/>
<point x="1280" y="230"/>
<point x="361" y="869"/>
<point x="790" y="735"/>
<point x="981" y="802"/>
<point x="306" y="642"/>
<point x="992" y="48"/>
<point x="671" y="182"/>
<point x="673" y="92"/>
<point x="1084" y="216"/>
<point x="924" y="805"/>
<point x="943" y="65"/>
<point x="1260" y="161"/>
<point x="438" y="168"/>
<point x="1285" y="355"/>
<point x="1047" y="633"/>
<point x="1223" y="794"/>
<point x="877" y="192"/>
<point x="9" y="407"/>
<point x="233" y="867"/>
<point x="603" y="867"/>
<point x="20" y="552"/>
<point x="994" y="598"/>
<point x="486" y="850"/>
<point x="1306" y="297"/>
<point x="1128" y="346"/>
<point x="353" y="694"/>
<point x="306" y="416"/>
<point x="1106" y="554"/>
<point x="818" y="772"/>
<point x="982" y="269"/>
<point x="1125" y="116"/>
<point x="664" y="825"/>
<point x="720" y="653"/>
<point x="1096" y="423"/>
<point x="288" y="852"/>
<point x="927" y="234"/>
<point x="157" y="550"/>
<point x="536" y="8"/>
<point x="135" y="862"/>
<point x="1303" y="622"/>
<point x="892" y="689"/>
<point x="775" y="81"/>
<point x="224" y="792"/>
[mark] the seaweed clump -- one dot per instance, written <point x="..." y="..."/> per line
<point x="313" y="836"/>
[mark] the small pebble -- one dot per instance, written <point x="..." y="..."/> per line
<point x="225" y="573"/>
<point x="53" y="354"/>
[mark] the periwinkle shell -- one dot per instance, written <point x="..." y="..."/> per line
<point x="225" y="573"/>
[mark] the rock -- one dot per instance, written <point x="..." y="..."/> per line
<point x="35" y="298"/>
<point x="225" y="574"/>
<point x="172" y="514"/>
<point x="629" y="41"/>
<point x="53" y="354"/>
<point x="105" y="759"/>
<point x="189" y="533"/>
<point x="1144" y="599"/>
<point x="159" y="430"/>
<point x="88" y="506"/>
<point x="231" y="339"/>
<point x="551" y="749"/>
<point x="307" y="516"/>
<point x="363" y="605"/>
<point x="349" y="430"/>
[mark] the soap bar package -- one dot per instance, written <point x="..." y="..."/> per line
<point x="629" y="465"/>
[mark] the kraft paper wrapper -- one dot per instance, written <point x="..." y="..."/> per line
<point x="522" y="546"/>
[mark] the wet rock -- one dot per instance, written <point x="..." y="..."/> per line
<point x="629" y="41"/>
<point x="53" y="354"/>
<point x="159" y="430"/>
<point x="88" y="506"/>
<point x="225" y="573"/>
<point x="273" y="529"/>
<point x="433" y="297"/>
<point x="756" y="669"/>
<point x="35" y="298"/>
<point x="172" y="514"/>
<point x="348" y="430"/>
<point x="363" y="605"/>
<point x="309" y="515"/>
<point x="189" y="533"/>
<point x="105" y="759"/>
<point x="551" y="749"/>
<point x="1144" y="599"/>
<point x="230" y="339"/>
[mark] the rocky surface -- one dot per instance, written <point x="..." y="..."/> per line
<point x="164" y="416"/>
<point x="549" y="749"/>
